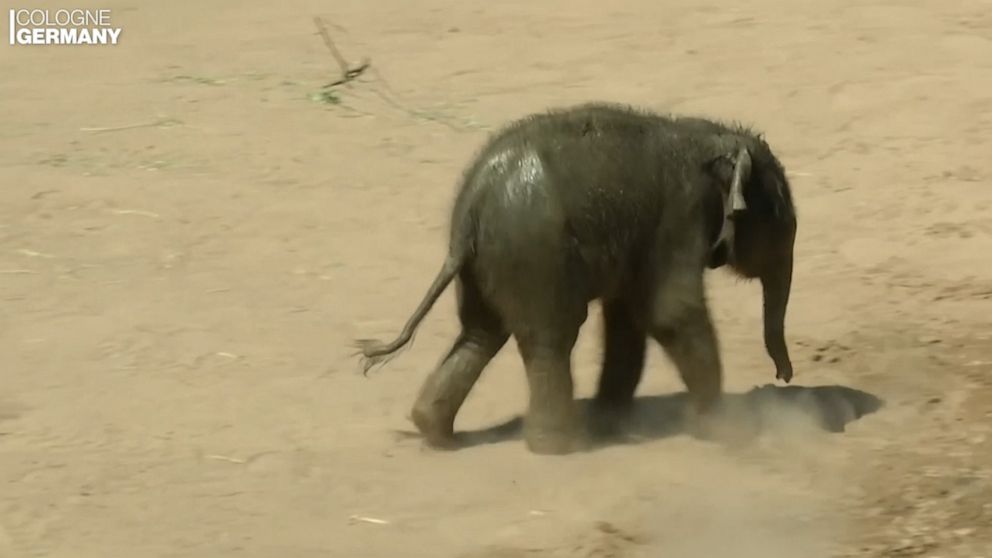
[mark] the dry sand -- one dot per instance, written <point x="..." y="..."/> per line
<point x="179" y="297"/>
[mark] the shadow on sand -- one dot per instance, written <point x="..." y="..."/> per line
<point x="744" y="415"/>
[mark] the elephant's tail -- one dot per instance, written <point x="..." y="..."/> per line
<point x="377" y="352"/>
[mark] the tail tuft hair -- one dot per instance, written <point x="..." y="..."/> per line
<point x="375" y="353"/>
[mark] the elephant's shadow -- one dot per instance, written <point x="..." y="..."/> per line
<point x="766" y="409"/>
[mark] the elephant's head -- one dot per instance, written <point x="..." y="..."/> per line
<point x="758" y="232"/>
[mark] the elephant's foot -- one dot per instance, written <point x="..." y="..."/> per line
<point x="558" y="437"/>
<point x="722" y="425"/>
<point x="609" y="417"/>
<point x="702" y="426"/>
<point x="545" y="444"/>
<point x="437" y="430"/>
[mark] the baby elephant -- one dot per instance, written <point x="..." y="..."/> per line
<point x="606" y="202"/>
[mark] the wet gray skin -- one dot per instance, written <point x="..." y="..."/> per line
<point x="609" y="203"/>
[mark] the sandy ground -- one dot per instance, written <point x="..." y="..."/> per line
<point x="179" y="297"/>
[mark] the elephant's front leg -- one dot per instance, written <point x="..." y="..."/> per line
<point x="690" y="342"/>
<point x="681" y="323"/>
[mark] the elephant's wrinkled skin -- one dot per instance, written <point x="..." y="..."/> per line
<point x="612" y="203"/>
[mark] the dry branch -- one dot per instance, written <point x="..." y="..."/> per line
<point x="347" y="73"/>
<point x="386" y="93"/>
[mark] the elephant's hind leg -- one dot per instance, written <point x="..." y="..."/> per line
<point x="445" y="389"/>
<point x="624" y="347"/>
<point x="546" y="327"/>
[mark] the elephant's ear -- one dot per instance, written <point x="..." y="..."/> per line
<point x="721" y="168"/>
<point x="718" y="253"/>
<point x="731" y="172"/>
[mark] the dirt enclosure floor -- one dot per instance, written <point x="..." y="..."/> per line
<point x="191" y="236"/>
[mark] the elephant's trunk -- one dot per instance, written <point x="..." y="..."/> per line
<point x="776" y="284"/>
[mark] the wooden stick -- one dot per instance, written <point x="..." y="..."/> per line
<point x="347" y="74"/>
